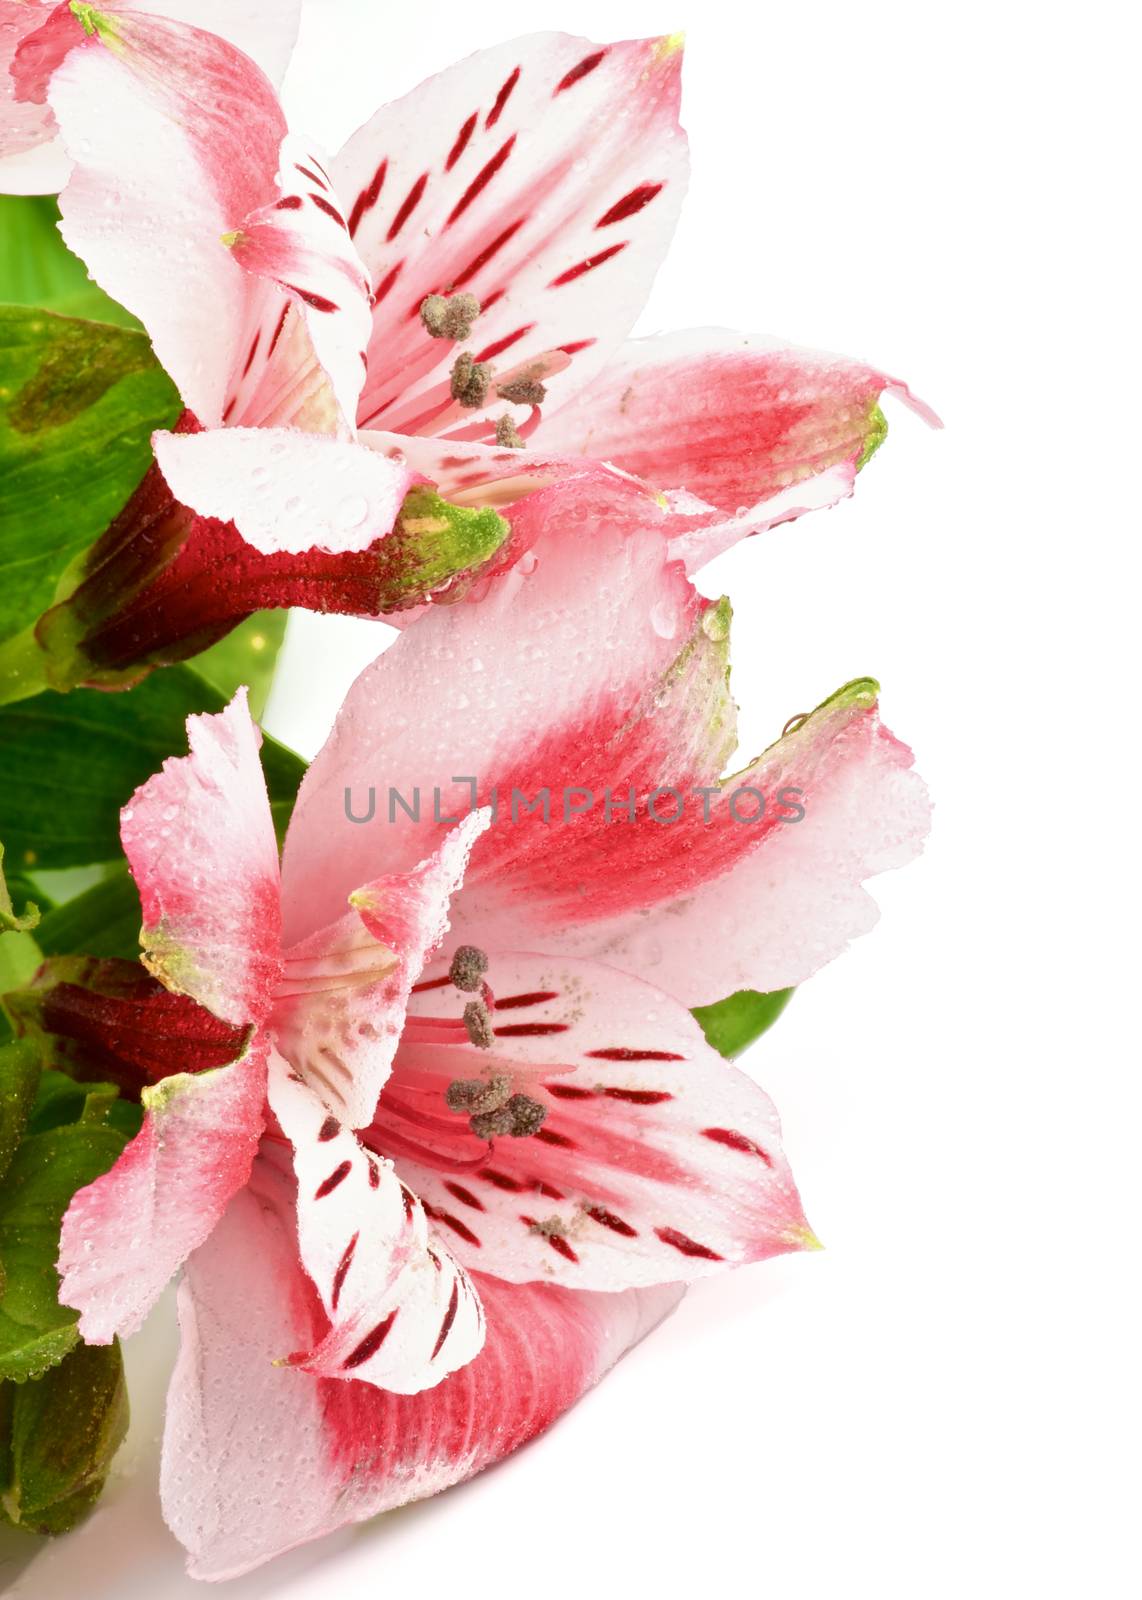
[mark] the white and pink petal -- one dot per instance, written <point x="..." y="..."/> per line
<point x="126" y="1235"/>
<point x="259" y="1458"/>
<point x="199" y="836"/>
<point x="655" y="1161"/>
<point x="340" y="1007"/>
<point x="544" y="177"/>
<point x="402" y="1313"/>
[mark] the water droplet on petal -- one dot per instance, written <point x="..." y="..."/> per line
<point x="352" y="511"/>
<point x="664" y="620"/>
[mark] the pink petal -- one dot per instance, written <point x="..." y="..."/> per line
<point x="536" y="679"/>
<point x="200" y="840"/>
<point x="656" y="1160"/>
<point x="259" y="1458"/>
<point x="300" y="242"/>
<point x="402" y="1314"/>
<point x="730" y="419"/>
<point x="185" y="148"/>
<point x="126" y="1234"/>
<point x="543" y="176"/>
<point x="340" y="1006"/>
<point x="285" y="490"/>
<point x="34" y="161"/>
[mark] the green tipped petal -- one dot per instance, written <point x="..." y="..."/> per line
<point x="433" y="546"/>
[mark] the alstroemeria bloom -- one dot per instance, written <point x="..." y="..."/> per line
<point x="561" y="1120"/>
<point x="32" y="159"/>
<point x="510" y="215"/>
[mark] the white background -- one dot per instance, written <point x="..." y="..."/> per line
<point x="944" y="1402"/>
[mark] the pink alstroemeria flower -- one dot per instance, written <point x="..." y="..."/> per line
<point x="510" y="215"/>
<point x="32" y="159"/>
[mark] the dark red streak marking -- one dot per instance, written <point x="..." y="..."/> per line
<point x="306" y="172"/>
<point x="607" y="1219"/>
<point x="292" y="202"/>
<point x="502" y="99"/>
<point x="548" y="1190"/>
<point x="559" y="1243"/>
<point x="343" y="1266"/>
<point x="278" y="331"/>
<point x="461" y="144"/>
<point x="253" y="352"/>
<point x="317" y="301"/>
<point x="330" y="1128"/>
<point x="621" y="1053"/>
<point x="568" y="1091"/>
<point x="367" y="198"/>
<point x="457" y="1226"/>
<point x="588" y="265"/>
<point x="482" y="260"/>
<point x="409" y="1201"/>
<point x="588" y="64"/>
<point x="574" y="348"/>
<point x="530" y="1030"/>
<point x="500" y="1179"/>
<point x="328" y="207"/>
<point x="639" y="1097"/>
<point x="449" y="1319"/>
<point x="629" y="204"/>
<point x="687" y="1246"/>
<point x="549" y="1136"/>
<point x="408" y="206"/>
<point x="229" y="411"/>
<point x="465" y="1196"/>
<point x="338" y="1175"/>
<point x="491" y="350"/>
<point x="370" y="1344"/>
<point x="374" y="1176"/>
<point x="737" y="1141"/>
<point x="481" y="181"/>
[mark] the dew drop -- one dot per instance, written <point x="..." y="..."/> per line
<point x="352" y="511"/>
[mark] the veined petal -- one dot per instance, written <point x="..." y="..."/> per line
<point x="656" y="1161"/>
<point x="186" y="146"/>
<point x="301" y="243"/>
<point x="340" y="1006"/>
<point x="402" y="1314"/>
<point x="544" y="177"/>
<point x="286" y="491"/>
<point x="200" y="839"/>
<point x="757" y="884"/>
<point x="126" y="1234"/>
<point x="526" y="688"/>
<point x="25" y="128"/>
<point x="259" y="1458"/>
<point x="732" y="420"/>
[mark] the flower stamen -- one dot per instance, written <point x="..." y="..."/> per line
<point x="449" y="316"/>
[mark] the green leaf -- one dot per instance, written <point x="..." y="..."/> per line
<point x="248" y="655"/>
<point x="61" y="1433"/>
<point x="38" y="269"/>
<point x="71" y="762"/>
<point x="732" y="1024"/>
<point x="102" y="921"/>
<point x="78" y="404"/>
<point x="9" y="920"/>
<point x="19" y="1080"/>
<point x="35" y="1330"/>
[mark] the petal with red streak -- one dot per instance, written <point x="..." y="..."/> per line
<point x="259" y="1458"/>
<point x="126" y="1234"/>
<point x="200" y="840"/>
<point x="527" y="687"/>
<point x="730" y="419"/>
<point x="286" y="491"/>
<point x="402" y="1313"/>
<point x="340" y="1007"/>
<point x="656" y="1160"/>
<point x="186" y="146"/>
<point x="544" y="177"/>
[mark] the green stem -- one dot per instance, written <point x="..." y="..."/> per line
<point x="22" y="667"/>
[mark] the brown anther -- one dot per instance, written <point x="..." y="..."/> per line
<point x="468" y="967"/>
<point x="507" y="435"/>
<point x="490" y="1124"/>
<point x="479" y="1024"/>
<point x="449" y="316"/>
<point x="470" y="380"/>
<point x="477" y="1094"/>
<point x="528" y="1115"/>
<point x="523" y="391"/>
<point x="550" y="1227"/>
